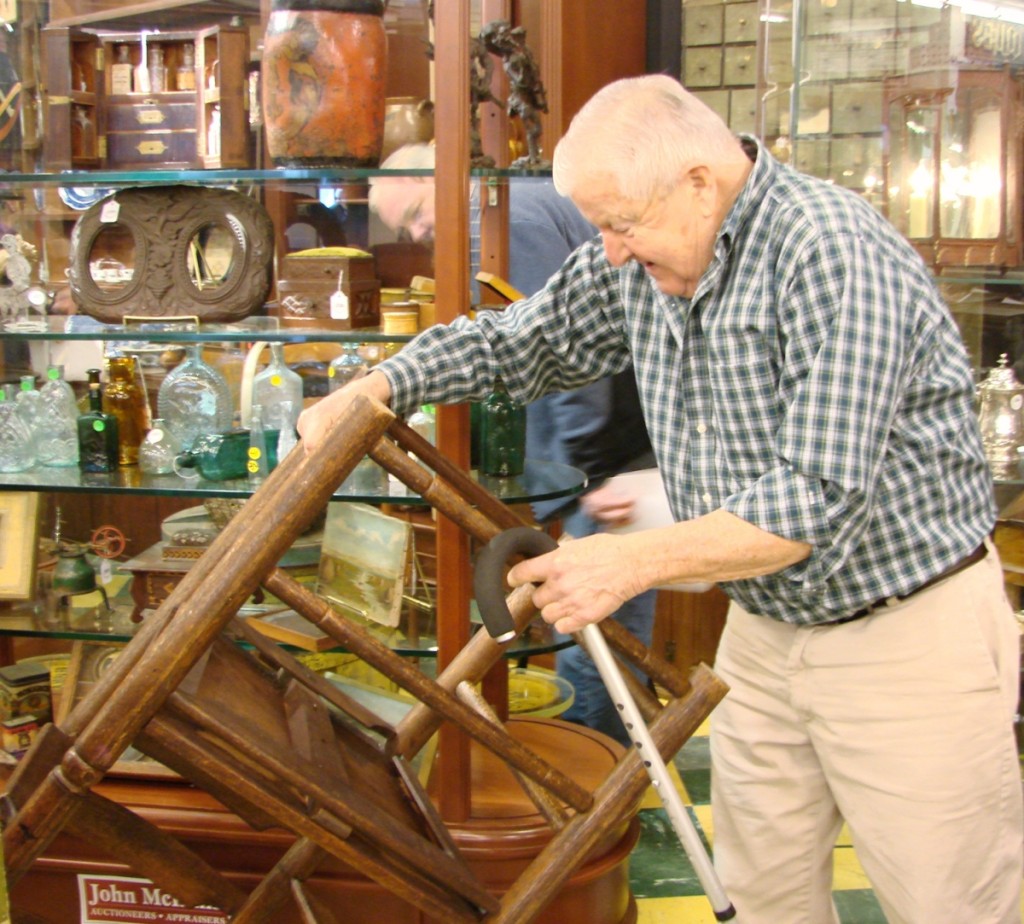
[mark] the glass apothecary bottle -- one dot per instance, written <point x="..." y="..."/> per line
<point x="126" y="399"/>
<point x="121" y="71"/>
<point x="345" y="367"/>
<point x="97" y="432"/>
<point x="502" y="433"/>
<point x="16" y="446"/>
<point x="157" y="69"/>
<point x="185" y="74"/>
<point x="57" y="431"/>
<point x="194" y="400"/>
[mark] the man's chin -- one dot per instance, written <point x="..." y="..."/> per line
<point x="669" y="283"/>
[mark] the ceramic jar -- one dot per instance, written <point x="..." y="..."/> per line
<point x="323" y="74"/>
<point x="407" y="120"/>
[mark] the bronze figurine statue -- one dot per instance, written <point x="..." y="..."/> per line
<point x="526" y="95"/>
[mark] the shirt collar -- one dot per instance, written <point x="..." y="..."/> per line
<point x="761" y="177"/>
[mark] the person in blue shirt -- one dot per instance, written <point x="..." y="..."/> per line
<point x="598" y="428"/>
<point x="811" y="406"/>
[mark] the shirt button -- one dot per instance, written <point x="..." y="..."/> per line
<point x="707" y="499"/>
<point x="702" y="428"/>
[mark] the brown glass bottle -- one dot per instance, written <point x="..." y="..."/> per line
<point x="125" y="398"/>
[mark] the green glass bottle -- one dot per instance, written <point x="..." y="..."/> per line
<point x="223" y="456"/>
<point x="502" y="434"/>
<point x="97" y="432"/>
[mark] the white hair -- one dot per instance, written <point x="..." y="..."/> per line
<point x="641" y="132"/>
<point x="418" y="156"/>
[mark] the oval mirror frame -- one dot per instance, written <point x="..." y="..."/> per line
<point x="167" y="225"/>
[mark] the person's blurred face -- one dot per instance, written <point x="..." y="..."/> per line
<point x="406" y="204"/>
<point x="672" y="237"/>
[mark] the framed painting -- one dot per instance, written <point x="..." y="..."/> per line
<point x="19" y="541"/>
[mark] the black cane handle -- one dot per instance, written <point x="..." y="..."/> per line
<point x="489" y="575"/>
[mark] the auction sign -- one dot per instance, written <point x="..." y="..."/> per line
<point x="105" y="899"/>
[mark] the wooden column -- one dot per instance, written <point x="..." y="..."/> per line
<point x="452" y="24"/>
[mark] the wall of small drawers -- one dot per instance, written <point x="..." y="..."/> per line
<point x="830" y="124"/>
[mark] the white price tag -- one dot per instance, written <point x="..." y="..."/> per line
<point x="110" y="211"/>
<point x="339" y="300"/>
<point x="339" y="306"/>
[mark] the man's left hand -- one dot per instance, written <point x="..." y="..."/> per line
<point x="581" y="582"/>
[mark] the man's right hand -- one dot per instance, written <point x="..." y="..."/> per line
<point x="317" y="421"/>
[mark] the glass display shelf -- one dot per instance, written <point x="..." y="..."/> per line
<point x="539" y="481"/>
<point x="331" y="176"/>
<point x="42" y="618"/>
<point x="166" y="330"/>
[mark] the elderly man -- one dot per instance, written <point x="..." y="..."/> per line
<point x="810" y="404"/>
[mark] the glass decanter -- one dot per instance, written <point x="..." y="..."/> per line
<point x="28" y="401"/>
<point x="16" y="447"/>
<point x="194" y="399"/>
<point x="346" y="367"/>
<point x="278" y="390"/>
<point x="57" y="429"/>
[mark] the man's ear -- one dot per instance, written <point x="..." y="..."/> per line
<point x="700" y="181"/>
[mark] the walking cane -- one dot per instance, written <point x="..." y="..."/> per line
<point x="490" y="598"/>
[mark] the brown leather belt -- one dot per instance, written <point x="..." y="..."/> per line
<point x="977" y="555"/>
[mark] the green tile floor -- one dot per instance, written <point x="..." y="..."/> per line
<point x="663" y="881"/>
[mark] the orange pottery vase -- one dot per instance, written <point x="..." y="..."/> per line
<point x="323" y="74"/>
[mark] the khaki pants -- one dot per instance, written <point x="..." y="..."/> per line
<point x="901" y="724"/>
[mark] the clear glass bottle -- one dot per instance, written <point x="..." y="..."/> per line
<point x="278" y="390"/>
<point x="157" y="450"/>
<point x="257" y="465"/>
<point x="502" y="433"/>
<point x="223" y="456"/>
<point x="194" y="399"/>
<point x="29" y="403"/>
<point x="345" y="367"/>
<point x="213" y="133"/>
<point x="185" y="75"/>
<point x="126" y="399"/>
<point x="16" y="447"/>
<point x="157" y="69"/>
<point x="97" y="432"/>
<point x="121" y="71"/>
<point x="57" y="432"/>
<point x="229" y="361"/>
<point x="424" y="422"/>
<point x="83" y="133"/>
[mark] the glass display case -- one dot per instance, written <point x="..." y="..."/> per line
<point x="917" y="107"/>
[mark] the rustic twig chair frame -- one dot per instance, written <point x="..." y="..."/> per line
<point x="280" y="746"/>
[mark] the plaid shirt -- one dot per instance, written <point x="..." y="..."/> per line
<point x="815" y="385"/>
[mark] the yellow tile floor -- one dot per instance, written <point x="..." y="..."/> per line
<point x="664" y="883"/>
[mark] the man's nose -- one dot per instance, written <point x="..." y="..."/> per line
<point x="421" y="231"/>
<point x="615" y="248"/>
